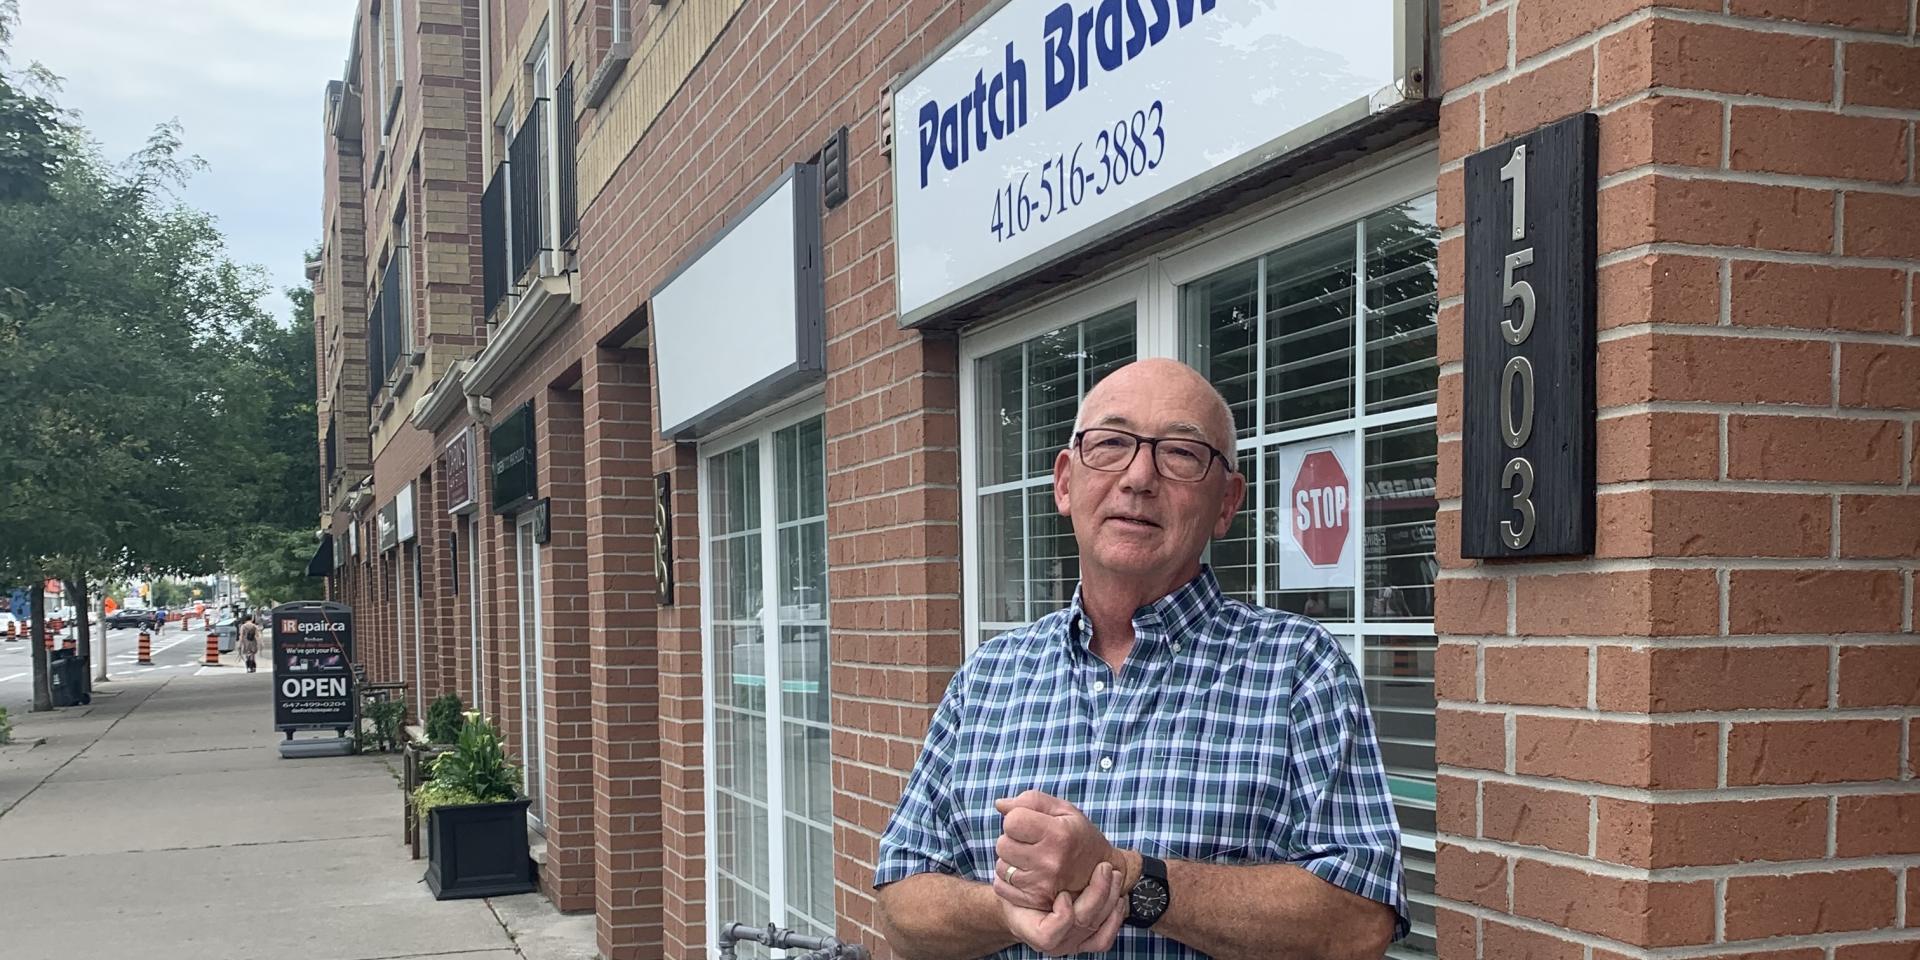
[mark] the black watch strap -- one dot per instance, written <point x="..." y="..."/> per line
<point x="1151" y="896"/>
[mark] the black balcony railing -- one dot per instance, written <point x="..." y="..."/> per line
<point x="564" y="190"/>
<point x="526" y="158"/>
<point x="494" y="260"/>
<point x="376" y="351"/>
<point x="394" y="320"/>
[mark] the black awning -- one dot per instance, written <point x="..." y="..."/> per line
<point x="322" y="563"/>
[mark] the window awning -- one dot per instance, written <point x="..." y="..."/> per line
<point x="322" y="563"/>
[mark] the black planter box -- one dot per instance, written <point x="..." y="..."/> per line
<point x="478" y="850"/>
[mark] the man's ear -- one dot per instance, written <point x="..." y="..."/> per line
<point x="1062" y="473"/>
<point x="1230" y="501"/>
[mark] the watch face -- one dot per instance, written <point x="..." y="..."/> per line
<point x="1148" y="900"/>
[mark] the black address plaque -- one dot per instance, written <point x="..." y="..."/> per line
<point x="1527" y="442"/>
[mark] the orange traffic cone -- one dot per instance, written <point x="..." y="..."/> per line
<point x="13" y="631"/>
<point x="146" y="649"/>
<point x="213" y="649"/>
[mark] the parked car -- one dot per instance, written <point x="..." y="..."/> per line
<point x="129" y="617"/>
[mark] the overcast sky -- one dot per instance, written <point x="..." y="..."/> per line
<point x="245" y="77"/>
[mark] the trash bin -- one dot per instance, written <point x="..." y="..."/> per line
<point x="64" y="680"/>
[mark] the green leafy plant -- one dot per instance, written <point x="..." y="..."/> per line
<point x="476" y="767"/>
<point x="6" y="727"/>
<point x="443" y="719"/>
<point x="386" y="717"/>
<point x="433" y="793"/>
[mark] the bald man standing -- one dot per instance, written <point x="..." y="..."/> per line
<point x="1157" y="770"/>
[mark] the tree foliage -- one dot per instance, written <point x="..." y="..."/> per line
<point x="160" y="421"/>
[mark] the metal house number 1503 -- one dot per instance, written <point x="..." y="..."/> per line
<point x="1516" y="381"/>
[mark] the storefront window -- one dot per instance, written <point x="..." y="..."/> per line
<point x="1325" y="350"/>
<point x="1026" y="398"/>
<point x="764" y="515"/>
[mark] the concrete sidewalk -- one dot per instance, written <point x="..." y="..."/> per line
<point x="161" y="823"/>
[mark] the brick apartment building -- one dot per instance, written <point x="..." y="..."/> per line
<point x="676" y="352"/>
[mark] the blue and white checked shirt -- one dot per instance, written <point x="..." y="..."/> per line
<point x="1233" y="734"/>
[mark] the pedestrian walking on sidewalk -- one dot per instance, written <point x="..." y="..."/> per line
<point x="248" y="643"/>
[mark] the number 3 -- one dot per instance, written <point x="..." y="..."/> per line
<point x="1517" y="538"/>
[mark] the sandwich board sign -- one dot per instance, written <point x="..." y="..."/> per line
<point x="312" y="666"/>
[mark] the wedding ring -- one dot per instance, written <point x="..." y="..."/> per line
<point x="1010" y="870"/>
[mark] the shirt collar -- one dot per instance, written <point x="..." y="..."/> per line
<point x="1177" y="614"/>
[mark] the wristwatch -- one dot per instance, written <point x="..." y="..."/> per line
<point x="1150" y="897"/>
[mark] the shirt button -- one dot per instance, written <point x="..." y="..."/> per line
<point x="1099" y="686"/>
<point x="1106" y="763"/>
<point x="1176" y="648"/>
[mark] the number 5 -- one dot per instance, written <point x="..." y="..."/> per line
<point x="1511" y="290"/>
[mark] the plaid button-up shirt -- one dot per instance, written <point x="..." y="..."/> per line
<point x="1232" y="734"/>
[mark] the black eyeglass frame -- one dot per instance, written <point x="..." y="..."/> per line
<point x="1154" y="442"/>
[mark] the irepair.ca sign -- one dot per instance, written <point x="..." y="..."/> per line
<point x="312" y="665"/>
<point x="1048" y="125"/>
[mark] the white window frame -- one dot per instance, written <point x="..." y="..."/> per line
<point x="533" y="682"/>
<point x="541" y="74"/>
<point x="477" y="691"/>
<point x="419" y="642"/>
<point x="403" y="248"/>
<point x="759" y="430"/>
<point x="1154" y="284"/>
<point x="400" y="609"/>
<point x="622" y="22"/>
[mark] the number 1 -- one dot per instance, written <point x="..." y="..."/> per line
<point x="1516" y="171"/>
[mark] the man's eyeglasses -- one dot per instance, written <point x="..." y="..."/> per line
<point x="1176" y="458"/>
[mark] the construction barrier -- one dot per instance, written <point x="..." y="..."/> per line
<point x="213" y="649"/>
<point x="146" y="649"/>
<point x="13" y="631"/>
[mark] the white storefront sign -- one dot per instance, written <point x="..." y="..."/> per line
<point x="404" y="510"/>
<point x="1319" y="546"/>
<point x="740" y="324"/>
<point x="1052" y="124"/>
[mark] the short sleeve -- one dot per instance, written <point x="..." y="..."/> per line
<point x="1343" y="828"/>
<point x="921" y="836"/>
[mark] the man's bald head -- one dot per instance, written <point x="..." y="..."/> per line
<point x="1169" y="379"/>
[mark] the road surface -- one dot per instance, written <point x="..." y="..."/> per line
<point x="175" y="653"/>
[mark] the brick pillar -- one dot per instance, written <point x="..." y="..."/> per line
<point x="1700" y="738"/>
<point x="622" y="597"/>
<point x="893" y="538"/>
<point x="568" y="875"/>
<point x="683" y="782"/>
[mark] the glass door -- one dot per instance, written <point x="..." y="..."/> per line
<point x="533" y="697"/>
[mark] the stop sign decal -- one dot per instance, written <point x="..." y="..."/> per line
<point x="1321" y="518"/>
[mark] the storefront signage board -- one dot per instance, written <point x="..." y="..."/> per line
<point x="387" y="524"/>
<point x="1528" y="427"/>
<point x="456" y="465"/>
<point x="1051" y="125"/>
<point x="403" y="513"/>
<point x="312" y="665"/>
<point x="514" y="461"/>
<point x="741" y="323"/>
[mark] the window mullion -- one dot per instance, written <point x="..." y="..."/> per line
<point x="1356" y="503"/>
<point x="770" y="666"/>
<point x="1259" y="531"/>
<point x="1026" y="515"/>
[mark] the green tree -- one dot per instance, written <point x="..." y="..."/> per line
<point x="149" y="396"/>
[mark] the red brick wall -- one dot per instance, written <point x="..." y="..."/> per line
<point x="568" y="875"/>
<point x="622" y="595"/>
<point x="1700" y="737"/>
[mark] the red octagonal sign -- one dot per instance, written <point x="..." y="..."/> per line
<point x="1321" y="518"/>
